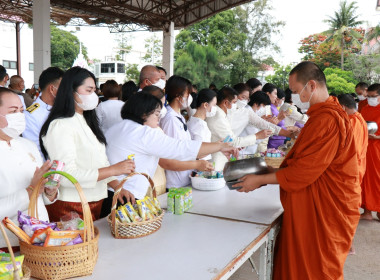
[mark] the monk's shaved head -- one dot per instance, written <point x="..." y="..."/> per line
<point x="347" y="100"/>
<point x="306" y="71"/>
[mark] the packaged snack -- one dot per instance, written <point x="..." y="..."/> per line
<point x="16" y="230"/>
<point x="150" y="205"/>
<point x="132" y="214"/>
<point x="54" y="179"/>
<point x="30" y="229"/>
<point x="157" y="204"/>
<point x="170" y="202"/>
<point x="27" y="220"/>
<point x="39" y="235"/>
<point x="179" y="203"/>
<point x="72" y="221"/>
<point x="6" y="266"/>
<point x="228" y="139"/>
<point x="60" y="238"/>
<point x="132" y="157"/>
<point x="143" y="210"/>
<point x="75" y="241"/>
<point x="122" y="215"/>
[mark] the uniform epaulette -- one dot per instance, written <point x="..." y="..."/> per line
<point x="33" y="107"/>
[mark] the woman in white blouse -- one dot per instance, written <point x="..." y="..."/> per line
<point x="174" y="125"/>
<point x="138" y="134"/>
<point x="205" y="105"/>
<point x="220" y="125"/>
<point x="71" y="134"/>
<point x="21" y="166"/>
<point x="108" y="112"/>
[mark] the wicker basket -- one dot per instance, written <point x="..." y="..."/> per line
<point x="137" y="229"/>
<point x="63" y="262"/>
<point x="274" y="162"/>
<point x="205" y="184"/>
<point x="25" y="269"/>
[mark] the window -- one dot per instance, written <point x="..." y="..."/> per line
<point x="31" y="66"/>
<point x="107" y="68"/>
<point x="120" y="68"/>
<point x="10" y="64"/>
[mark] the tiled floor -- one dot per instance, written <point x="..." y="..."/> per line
<point x="364" y="265"/>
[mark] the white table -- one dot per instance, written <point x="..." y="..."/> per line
<point x="261" y="206"/>
<point x="186" y="247"/>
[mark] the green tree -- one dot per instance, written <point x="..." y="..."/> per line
<point x="374" y="34"/>
<point x="123" y="46"/>
<point x="341" y="26"/>
<point x="64" y="48"/>
<point x="153" y="46"/>
<point x="281" y="76"/>
<point x="132" y="73"/>
<point x="239" y="36"/>
<point x="200" y="64"/>
<point x="339" y="81"/>
<point x="365" y="68"/>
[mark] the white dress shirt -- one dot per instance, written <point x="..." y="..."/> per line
<point x="71" y="141"/>
<point x="18" y="163"/>
<point x="108" y="113"/>
<point x="220" y="128"/>
<point x="245" y="116"/>
<point x="199" y="131"/>
<point x="294" y="117"/>
<point x="173" y="124"/>
<point x="148" y="145"/>
<point x="35" y="117"/>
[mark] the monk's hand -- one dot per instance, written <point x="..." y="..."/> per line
<point x="248" y="183"/>
<point x="373" y="137"/>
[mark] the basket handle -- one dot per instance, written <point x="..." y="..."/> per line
<point x="88" y="229"/>
<point x="117" y="192"/>
<point x="16" y="275"/>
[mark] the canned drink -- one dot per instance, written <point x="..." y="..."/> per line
<point x="54" y="179"/>
<point x="171" y="201"/>
<point x="179" y="203"/>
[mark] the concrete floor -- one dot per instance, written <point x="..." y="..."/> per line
<point x="364" y="265"/>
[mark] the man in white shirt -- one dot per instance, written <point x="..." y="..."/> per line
<point x="149" y="75"/>
<point x="38" y="112"/>
<point x="17" y="84"/>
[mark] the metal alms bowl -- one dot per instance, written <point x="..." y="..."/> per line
<point x="234" y="170"/>
<point x="372" y="127"/>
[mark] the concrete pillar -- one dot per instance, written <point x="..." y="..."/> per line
<point x="41" y="37"/>
<point x="168" y="50"/>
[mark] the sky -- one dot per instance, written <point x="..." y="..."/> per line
<point x="302" y="18"/>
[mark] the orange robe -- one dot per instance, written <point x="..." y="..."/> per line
<point x="371" y="180"/>
<point x="320" y="194"/>
<point x="362" y="104"/>
<point x="361" y="141"/>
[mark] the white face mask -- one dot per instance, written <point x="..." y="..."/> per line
<point x="297" y="101"/>
<point x="89" y="102"/>
<point x="163" y="112"/>
<point x="373" y="101"/>
<point x="160" y="83"/>
<point x="186" y="103"/>
<point x="241" y="103"/>
<point x="233" y="109"/>
<point x="16" y="124"/>
<point x="211" y="113"/>
<point x="261" y="112"/>
<point x="280" y="104"/>
<point x="362" y="97"/>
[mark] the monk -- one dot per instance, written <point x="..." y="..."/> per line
<point x="360" y="131"/>
<point x="319" y="186"/>
<point x="361" y="91"/>
<point x="371" y="180"/>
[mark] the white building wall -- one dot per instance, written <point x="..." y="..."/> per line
<point x="8" y="49"/>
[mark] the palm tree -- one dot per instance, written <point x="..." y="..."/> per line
<point x="341" y="27"/>
<point x="374" y="33"/>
